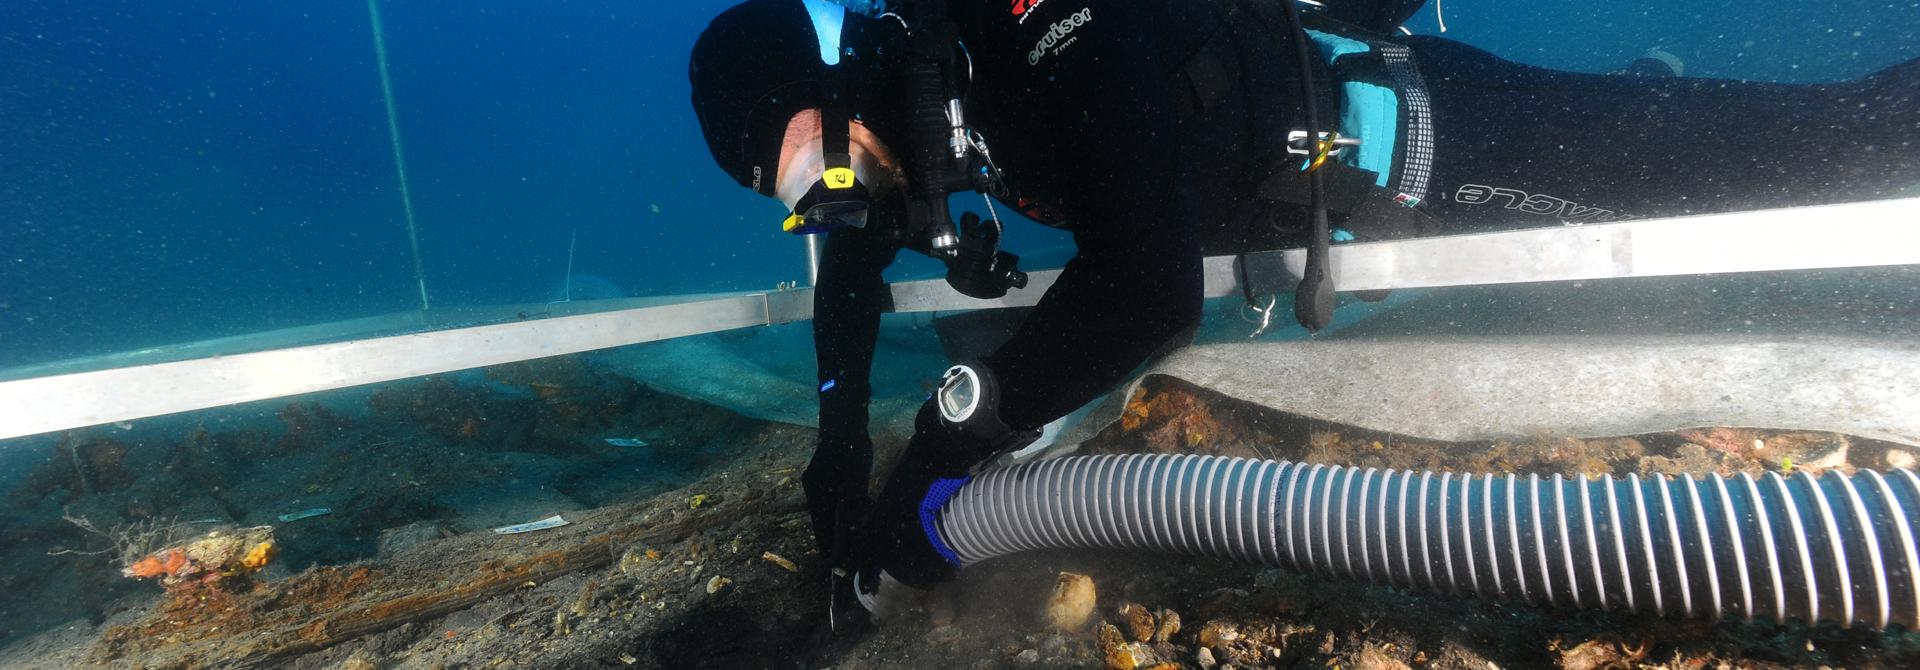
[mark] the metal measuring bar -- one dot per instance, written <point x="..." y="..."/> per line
<point x="1850" y="235"/>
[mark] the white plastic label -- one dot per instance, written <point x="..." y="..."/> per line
<point x="550" y="522"/>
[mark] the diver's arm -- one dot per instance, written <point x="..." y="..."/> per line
<point x="847" y="301"/>
<point x="848" y="298"/>
<point x="1136" y="280"/>
<point x="1096" y="128"/>
<point x="1098" y="122"/>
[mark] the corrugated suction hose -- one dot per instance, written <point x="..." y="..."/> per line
<point x="1833" y="548"/>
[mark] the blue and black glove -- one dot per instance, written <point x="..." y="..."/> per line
<point x="903" y="540"/>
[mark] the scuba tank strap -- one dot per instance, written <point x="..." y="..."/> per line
<point x="1369" y="89"/>
<point x="1376" y="213"/>
<point x="1377" y="185"/>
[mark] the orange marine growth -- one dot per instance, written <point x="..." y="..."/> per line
<point x="1139" y="409"/>
<point x="1171" y="420"/>
<point x="220" y="559"/>
<point x="258" y="556"/>
<point x="165" y="563"/>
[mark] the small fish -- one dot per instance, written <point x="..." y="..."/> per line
<point x="626" y="442"/>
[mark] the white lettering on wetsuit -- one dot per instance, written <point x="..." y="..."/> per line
<point x="1057" y="32"/>
<point x="1568" y="212"/>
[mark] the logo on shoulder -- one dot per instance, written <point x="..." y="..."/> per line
<point x="1024" y="8"/>
<point x="1057" y="34"/>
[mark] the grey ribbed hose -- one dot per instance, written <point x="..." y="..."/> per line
<point x="1834" y="547"/>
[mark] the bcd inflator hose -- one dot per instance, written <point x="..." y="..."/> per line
<point x="1830" y="547"/>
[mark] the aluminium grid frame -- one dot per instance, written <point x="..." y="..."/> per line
<point x="1865" y="234"/>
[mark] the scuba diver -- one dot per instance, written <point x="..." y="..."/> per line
<point x="1160" y="131"/>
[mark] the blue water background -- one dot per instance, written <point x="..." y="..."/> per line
<point x="171" y="171"/>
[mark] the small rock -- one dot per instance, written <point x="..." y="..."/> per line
<point x="779" y="560"/>
<point x="1599" y="653"/>
<point x="1589" y="655"/>
<point x="718" y="582"/>
<point x="1205" y="658"/>
<point x="1372" y="657"/>
<point x="1114" y="647"/>
<point x="1117" y="652"/>
<point x="1898" y="458"/>
<point x="1072" y="602"/>
<point x="1218" y="632"/>
<point x="1169" y="626"/>
<point x="1138" y="621"/>
<point x="1028" y="656"/>
<point x="1818" y="452"/>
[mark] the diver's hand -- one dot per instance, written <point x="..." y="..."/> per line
<point x="905" y="546"/>
<point x="835" y="482"/>
<point x="903" y="541"/>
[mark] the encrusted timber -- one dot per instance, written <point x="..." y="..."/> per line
<point x="273" y="643"/>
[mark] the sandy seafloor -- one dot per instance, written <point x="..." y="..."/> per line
<point x="665" y="563"/>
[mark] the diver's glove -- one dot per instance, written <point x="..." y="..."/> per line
<point x="904" y="540"/>
<point x="835" y="482"/>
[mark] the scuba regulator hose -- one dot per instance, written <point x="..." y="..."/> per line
<point x="1811" y="548"/>
<point x="1313" y="299"/>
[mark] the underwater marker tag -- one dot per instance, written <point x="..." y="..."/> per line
<point x="291" y="517"/>
<point x="550" y="522"/>
<point x="626" y="442"/>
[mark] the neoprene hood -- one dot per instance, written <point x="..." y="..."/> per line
<point x="759" y="63"/>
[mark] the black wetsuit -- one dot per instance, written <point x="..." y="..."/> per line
<point x="1644" y="147"/>
<point x="1091" y="127"/>
<point x="1146" y="125"/>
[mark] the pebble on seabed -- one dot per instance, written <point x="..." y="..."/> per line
<point x="1169" y="625"/>
<point x="1072" y="602"/>
<point x="1138" y="621"/>
<point x="1218" y="632"/>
